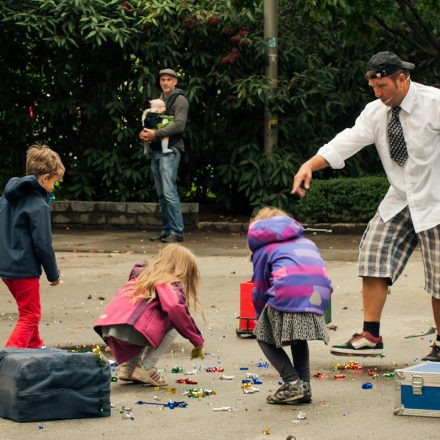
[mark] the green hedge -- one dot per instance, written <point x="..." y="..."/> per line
<point x="342" y="200"/>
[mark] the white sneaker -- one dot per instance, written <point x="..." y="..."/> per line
<point x="124" y="371"/>
<point x="149" y="377"/>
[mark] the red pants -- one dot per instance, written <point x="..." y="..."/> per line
<point x="26" y="292"/>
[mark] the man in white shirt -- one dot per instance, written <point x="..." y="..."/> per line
<point x="404" y="124"/>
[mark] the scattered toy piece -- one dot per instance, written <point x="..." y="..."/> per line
<point x="198" y="392"/>
<point x="320" y="375"/>
<point x="263" y="365"/>
<point x="188" y="381"/>
<point x="214" y="370"/>
<point x="250" y="390"/>
<point x="301" y="416"/>
<point x="224" y="377"/>
<point x="167" y="389"/>
<point x="339" y="376"/>
<point x="171" y="404"/>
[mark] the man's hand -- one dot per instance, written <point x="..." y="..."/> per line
<point x="147" y="135"/>
<point x="55" y="283"/>
<point x="143" y="135"/>
<point x="304" y="174"/>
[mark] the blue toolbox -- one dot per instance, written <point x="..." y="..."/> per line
<point x="53" y="384"/>
<point x="418" y="390"/>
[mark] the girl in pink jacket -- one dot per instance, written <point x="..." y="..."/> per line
<point x="144" y="317"/>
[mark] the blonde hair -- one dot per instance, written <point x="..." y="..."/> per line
<point x="174" y="263"/>
<point x="268" y="212"/>
<point x="157" y="103"/>
<point x="40" y="159"/>
<point x="265" y="213"/>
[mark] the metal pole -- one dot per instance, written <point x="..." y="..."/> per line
<point x="271" y="39"/>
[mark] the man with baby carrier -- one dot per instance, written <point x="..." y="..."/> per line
<point x="164" y="166"/>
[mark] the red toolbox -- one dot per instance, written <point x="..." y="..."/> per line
<point x="247" y="312"/>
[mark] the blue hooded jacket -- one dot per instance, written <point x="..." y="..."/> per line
<point x="289" y="273"/>
<point x="25" y="231"/>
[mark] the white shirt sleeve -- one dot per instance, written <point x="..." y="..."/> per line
<point x="349" y="141"/>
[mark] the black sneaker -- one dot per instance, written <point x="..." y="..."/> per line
<point x="361" y="344"/>
<point x="434" y="356"/>
<point x="172" y="238"/>
<point x="159" y="237"/>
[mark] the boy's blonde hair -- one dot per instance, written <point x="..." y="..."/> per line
<point x="268" y="212"/>
<point x="174" y="263"/>
<point x="40" y="159"/>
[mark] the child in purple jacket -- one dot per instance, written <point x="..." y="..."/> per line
<point x="291" y="293"/>
<point x="144" y="317"/>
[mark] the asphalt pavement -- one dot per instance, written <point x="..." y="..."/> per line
<point x="95" y="263"/>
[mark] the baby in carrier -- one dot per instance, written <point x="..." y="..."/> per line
<point x="154" y="118"/>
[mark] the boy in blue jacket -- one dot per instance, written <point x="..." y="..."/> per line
<point x="26" y="240"/>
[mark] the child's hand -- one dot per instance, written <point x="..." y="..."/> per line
<point x="198" y="352"/>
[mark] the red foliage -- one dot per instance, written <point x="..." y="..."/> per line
<point x="228" y="30"/>
<point x="126" y="6"/>
<point x="234" y="56"/>
<point x="213" y="21"/>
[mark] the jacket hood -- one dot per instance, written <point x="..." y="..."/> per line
<point x="18" y="187"/>
<point x="175" y="91"/>
<point x="273" y="230"/>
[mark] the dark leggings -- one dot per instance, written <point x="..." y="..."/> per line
<point x="289" y="371"/>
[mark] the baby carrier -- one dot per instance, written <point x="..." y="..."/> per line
<point x="153" y="119"/>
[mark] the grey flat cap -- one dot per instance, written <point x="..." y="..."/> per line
<point x="167" y="72"/>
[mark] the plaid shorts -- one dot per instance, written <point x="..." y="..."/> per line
<point x="386" y="247"/>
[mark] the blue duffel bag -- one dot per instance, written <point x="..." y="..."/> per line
<point x="53" y="384"/>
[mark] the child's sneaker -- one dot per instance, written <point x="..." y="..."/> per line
<point x="361" y="344"/>
<point x="307" y="394"/>
<point x="124" y="371"/>
<point x="434" y="356"/>
<point x="149" y="377"/>
<point x="289" y="393"/>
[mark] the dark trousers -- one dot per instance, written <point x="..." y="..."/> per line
<point x="26" y="292"/>
<point x="289" y="370"/>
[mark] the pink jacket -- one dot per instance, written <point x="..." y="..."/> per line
<point x="152" y="319"/>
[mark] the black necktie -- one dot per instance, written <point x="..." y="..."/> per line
<point x="398" y="151"/>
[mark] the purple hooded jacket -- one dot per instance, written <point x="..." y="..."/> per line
<point x="289" y="273"/>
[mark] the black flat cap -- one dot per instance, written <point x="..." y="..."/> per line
<point x="386" y="63"/>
